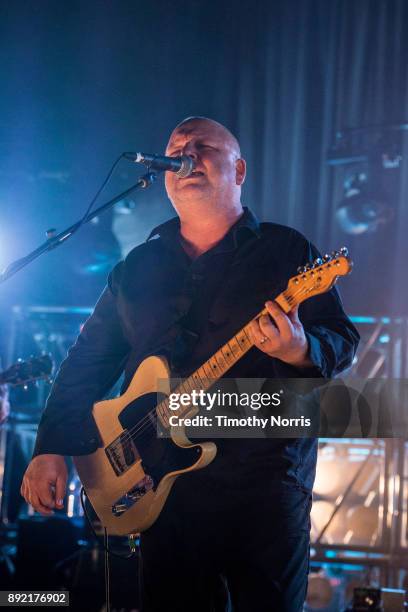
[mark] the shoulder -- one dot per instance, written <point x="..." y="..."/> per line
<point x="277" y="231"/>
<point x="286" y="243"/>
<point x="140" y="258"/>
<point x="143" y="251"/>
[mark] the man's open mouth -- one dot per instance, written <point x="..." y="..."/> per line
<point x="194" y="174"/>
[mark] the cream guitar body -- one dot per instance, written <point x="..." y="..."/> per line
<point x="128" y="483"/>
<point x="129" y="478"/>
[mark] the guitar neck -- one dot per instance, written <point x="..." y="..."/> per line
<point x="218" y="364"/>
<point x="228" y="355"/>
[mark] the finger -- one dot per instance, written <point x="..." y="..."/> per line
<point x="46" y="494"/>
<point x="268" y="328"/>
<point x="60" y="489"/>
<point x="35" y="502"/>
<point x="265" y="338"/>
<point x="23" y="490"/>
<point x="38" y="493"/>
<point x="281" y="320"/>
<point x="293" y="315"/>
<point x="258" y="337"/>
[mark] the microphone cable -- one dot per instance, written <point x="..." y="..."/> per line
<point x="98" y="193"/>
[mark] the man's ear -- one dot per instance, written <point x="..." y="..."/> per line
<point x="240" y="171"/>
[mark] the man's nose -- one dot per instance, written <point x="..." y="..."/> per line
<point x="190" y="150"/>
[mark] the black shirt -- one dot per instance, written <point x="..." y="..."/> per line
<point x="159" y="301"/>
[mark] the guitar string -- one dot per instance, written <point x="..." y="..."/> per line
<point x="141" y="428"/>
<point x="153" y="413"/>
<point x="136" y="430"/>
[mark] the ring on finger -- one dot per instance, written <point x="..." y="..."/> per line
<point x="263" y="340"/>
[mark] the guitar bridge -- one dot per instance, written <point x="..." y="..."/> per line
<point x="133" y="496"/>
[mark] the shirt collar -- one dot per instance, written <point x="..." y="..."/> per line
<point x="248" y="221"/>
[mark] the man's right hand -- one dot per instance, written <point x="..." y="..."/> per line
<point x="44" y="483"/>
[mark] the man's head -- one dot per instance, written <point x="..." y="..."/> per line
<point x="219" y="169"/>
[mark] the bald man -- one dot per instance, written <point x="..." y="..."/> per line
<point x="238" y="530"/>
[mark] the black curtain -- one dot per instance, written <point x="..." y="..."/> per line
<point x="84" y="81"/>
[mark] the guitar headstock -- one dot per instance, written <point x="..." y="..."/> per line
<point x="320" y="276"/>
<point x="24" y="372"/>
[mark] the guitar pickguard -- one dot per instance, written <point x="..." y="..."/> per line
<point x="139" y="441"/>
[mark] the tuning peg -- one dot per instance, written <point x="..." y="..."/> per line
<point x="327" y="257"/>
<point x="299" y="270"/>
<point x="318" y="261"/>
<point x="335" y="254"/>
<point x="306" y="267"/>
<point x="344" y="251"/>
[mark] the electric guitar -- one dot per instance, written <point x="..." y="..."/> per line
<point x="127" y="480"/>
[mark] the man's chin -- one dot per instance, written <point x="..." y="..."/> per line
<point x="192" y="183"/>
<point x="192" y="189"/>
<point x="191" y="197"/>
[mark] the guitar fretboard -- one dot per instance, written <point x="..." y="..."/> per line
<point x="218" y="364"/>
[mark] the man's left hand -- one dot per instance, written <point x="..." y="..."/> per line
<point x="282" y="336"/>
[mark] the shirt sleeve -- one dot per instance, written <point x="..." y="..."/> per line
<point x="331" y="336"/>
<point x="93" y="365"/>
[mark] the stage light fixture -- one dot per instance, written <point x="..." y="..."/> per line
<point x="362" y="209"/>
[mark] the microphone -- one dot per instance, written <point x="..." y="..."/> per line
<point x="183" y="166"/>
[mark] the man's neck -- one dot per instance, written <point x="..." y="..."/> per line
<point x="200" y="234"/>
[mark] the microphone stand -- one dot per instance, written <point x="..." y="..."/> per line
<point x="56" y="240"/>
